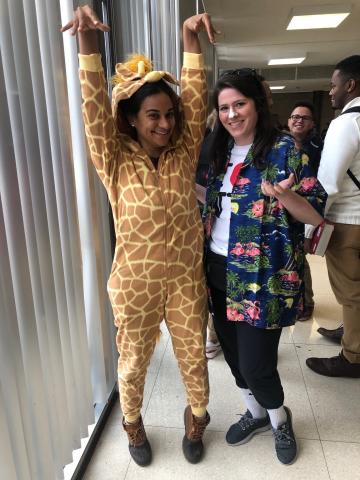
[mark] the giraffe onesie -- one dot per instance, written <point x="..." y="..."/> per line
<point x="157" y="270"/>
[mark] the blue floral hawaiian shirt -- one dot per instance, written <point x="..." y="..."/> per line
<point x="265" y="262"/>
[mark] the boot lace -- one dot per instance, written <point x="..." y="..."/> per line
<point x="198" y="428"/>
<point x="136" y="434"/>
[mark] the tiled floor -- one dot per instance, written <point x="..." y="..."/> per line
<point x="326" y="413"/>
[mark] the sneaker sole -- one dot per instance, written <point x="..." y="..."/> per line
<point x="249" y="437"/>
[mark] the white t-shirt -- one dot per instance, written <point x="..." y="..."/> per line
<point x="220" y="232"/>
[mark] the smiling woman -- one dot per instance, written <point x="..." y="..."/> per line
<point x="238" y="115"/>
<point x="145" y="153"/>
<point x="154" y="116"/>
<point x="154" y="123"/>
<point x="254" y="249"/>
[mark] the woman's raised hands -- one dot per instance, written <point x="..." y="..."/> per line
<point x="200" y="22"/>
<point x="192" y="26"/>
<point x="84" y="20"/>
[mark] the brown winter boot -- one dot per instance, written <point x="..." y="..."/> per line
<point x="139" y="446"/>
<point x="192" y="444"/>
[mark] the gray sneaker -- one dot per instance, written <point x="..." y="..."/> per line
<point x="242" y="431"/>
<point x="285" y="443"/>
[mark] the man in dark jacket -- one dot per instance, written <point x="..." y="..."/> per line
<point x="302" y="127"/>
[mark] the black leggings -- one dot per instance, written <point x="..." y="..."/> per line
<point x="250" y="352"/>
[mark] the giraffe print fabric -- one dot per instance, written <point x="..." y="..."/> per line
<point x="157" y="270"/>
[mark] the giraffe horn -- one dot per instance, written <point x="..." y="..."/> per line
<point x="141" y="68"/>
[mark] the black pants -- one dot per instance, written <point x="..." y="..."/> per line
<point x="250" y="352"/>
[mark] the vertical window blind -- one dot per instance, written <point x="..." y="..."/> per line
<point x="57" y="352"/>
<point x="151" y="27"/>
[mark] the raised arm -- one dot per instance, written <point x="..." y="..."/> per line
<point x="100" y="127"/>
<point x="193" y="82"/>
<point x="85" y="23"/>
<point x="192" y="27"/>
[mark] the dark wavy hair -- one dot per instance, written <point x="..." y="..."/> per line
<point x="131" y="106"/>
<point x="247" y="82"/>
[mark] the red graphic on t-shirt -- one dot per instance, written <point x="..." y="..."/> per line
<point x="235" y="173"/>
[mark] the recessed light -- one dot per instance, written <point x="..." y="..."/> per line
<point x="318" y="16"/>
<point x="277" y="87"/>
<point x="286" y="61"/>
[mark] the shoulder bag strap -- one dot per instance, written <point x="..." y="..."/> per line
<point x="353" y="178"/>
<point x="348" y="171"/>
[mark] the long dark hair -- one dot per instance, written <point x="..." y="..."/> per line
<point x="249" y="84"/>
<point x="131" y="106"/>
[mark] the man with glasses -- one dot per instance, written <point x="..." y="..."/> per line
<point x="339" y="173"/>
<point x="302" y="127"/>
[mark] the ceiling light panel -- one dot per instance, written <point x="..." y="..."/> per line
<point x="318" y="16"/>
<point x="286" y="61"/>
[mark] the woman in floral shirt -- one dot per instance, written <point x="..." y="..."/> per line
<point x="254" y="259"/>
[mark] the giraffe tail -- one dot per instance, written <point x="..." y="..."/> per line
<point x="158" y="336"/>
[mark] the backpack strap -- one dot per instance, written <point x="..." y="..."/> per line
<point x="348" y="171"/>
<point x="351" y="110"/>
<point x="353" y="178"/>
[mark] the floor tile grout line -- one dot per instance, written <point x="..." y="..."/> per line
<point x="263" y="434"/>
<point x="312" y="410"/>
<point x="306" y="388"/>
<point x="326" y="463"/>
<point x="156" y="377"/>
<point x="150" y="394"/>
<point x="127" y="469"/>
<point x="331" y="345"/>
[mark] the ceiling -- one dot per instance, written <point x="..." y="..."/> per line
<point x="253" y="31"/>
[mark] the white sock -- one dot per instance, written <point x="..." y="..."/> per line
<point x="277" y="416"/>
<point x="254" y="407"/>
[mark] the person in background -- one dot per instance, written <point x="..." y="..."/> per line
<point x="254" y="249"/>
<point x="145" y="153"/>
<point x="213" y="347"/>
<point x="203" y="163"/>
<point x="339" y="173"/>
<point x="324" y="131"/>
<point x="267" y="89"/>
<point x="302" y="127"/>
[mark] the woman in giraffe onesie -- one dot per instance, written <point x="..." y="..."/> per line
<point x="145" y="150"/>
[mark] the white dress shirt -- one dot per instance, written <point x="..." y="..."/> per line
<point x="341" y="151"/>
